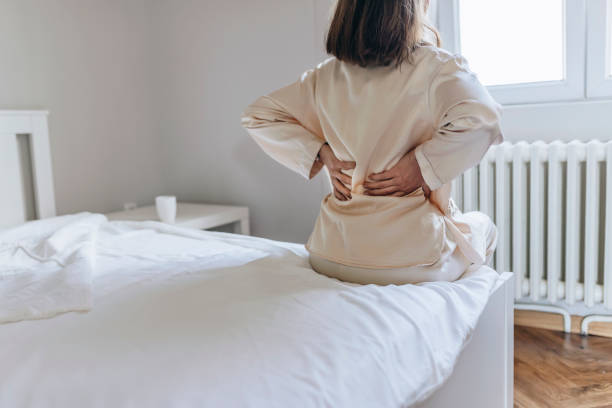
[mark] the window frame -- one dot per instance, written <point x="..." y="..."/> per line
<point x="572" y="87"/>
<point x="599" y="72"/>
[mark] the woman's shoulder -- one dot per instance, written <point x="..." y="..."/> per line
<point x="439" y="58"/>
<point x="321" y="69"/>
<point x="326" y="65"/>
<point x="327" y="62"/>
<point x="427" y="61"/>
<point x="424" y="55"/>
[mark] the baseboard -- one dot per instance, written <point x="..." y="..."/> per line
<point x="553" y="321"/>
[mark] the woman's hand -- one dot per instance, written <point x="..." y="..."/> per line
<point x="400" y="180"/>
<point x="341" y="182"/>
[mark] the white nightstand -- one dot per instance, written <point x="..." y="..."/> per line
<point x="200" y="216"/>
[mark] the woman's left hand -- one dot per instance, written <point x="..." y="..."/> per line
<point x="400" y="180"/>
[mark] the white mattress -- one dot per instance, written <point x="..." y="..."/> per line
<point x="184" y="318"/>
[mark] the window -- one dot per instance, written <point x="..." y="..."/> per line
<point x="523" y="50"/>
<point x="502" y="54"/>
<point x="599" y="50"/>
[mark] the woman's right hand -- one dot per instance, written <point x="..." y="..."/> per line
<point x="342" y="182"/>
<point x="400" y="180"/>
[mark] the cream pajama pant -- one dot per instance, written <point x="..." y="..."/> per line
<point x="450" y="269"/>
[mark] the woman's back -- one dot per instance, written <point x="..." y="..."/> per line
<point x="374" y="116"/>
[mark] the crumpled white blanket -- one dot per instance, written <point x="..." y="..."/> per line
<point x="187" y="318"/>
<point x="46" y="267"/>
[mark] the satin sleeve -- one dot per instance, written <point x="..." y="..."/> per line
<point x="466" y="122"/>
<point x="285" y="125"/>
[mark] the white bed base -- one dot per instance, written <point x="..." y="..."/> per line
<point x="484" y="374"/>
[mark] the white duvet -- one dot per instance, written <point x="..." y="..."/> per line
<point x="185" y="318"/>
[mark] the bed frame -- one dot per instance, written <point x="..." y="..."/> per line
<point x="483" y="376"/>
<point x="26" y="178"/>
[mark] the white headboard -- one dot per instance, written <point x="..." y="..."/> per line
<point x="26" y="178"/>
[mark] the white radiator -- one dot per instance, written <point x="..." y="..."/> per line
<point x="552" y="204"/>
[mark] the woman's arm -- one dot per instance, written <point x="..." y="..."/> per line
<point x="285" y="125"/>
<point x="466" y="123"/>
<point x="466" y="120"/>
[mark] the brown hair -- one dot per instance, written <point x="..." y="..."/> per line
<point x="378" y="32"/>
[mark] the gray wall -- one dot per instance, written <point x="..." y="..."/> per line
<point x="145" y="98"/>
<point x="87" y="62"/>
<point x="217" y="57"/>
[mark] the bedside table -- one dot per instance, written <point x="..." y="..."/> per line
<point x="199" y="216"/>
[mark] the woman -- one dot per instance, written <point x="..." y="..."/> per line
<point x="394" y="119"/>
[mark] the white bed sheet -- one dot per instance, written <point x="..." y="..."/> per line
<point x="185" y="318"/>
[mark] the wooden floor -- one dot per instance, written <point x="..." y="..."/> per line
<point x="558" y="370"/>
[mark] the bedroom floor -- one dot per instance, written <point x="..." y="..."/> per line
<point x="558" y="370"/>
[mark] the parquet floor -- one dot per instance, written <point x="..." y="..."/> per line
<point x="557" y="370"/>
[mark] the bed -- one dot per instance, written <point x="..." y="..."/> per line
<point x="129" y="314"/>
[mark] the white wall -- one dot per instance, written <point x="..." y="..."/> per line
<point x="87" y="61"/>
<point x="583" y="120"/>
<point x="146" y="95"/>
<point x="217" y="57"/>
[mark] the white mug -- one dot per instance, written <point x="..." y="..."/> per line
<point x="166" y="208"/>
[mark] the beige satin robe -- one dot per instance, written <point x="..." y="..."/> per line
<point x="373" y="116"/>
